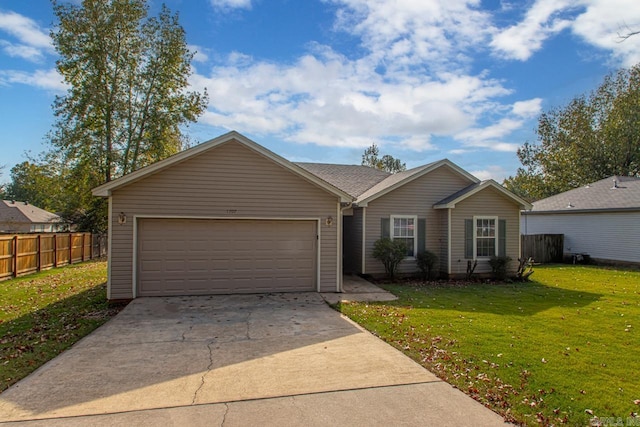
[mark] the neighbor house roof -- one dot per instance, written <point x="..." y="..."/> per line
<point x="25" y="213"/>
<point x="105" y="189"/>
<point x="457" y="197"/>
<point x="353" y="179"/>
<point x="613" y="193"/>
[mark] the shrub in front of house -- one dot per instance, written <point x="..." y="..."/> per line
<point x="426" y="262"/>
<point x="499" y="266"/>
<point x="390" y="253"/>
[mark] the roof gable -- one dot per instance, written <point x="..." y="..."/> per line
<point x="23" y="212"/>
<point x="613" y="193"/>
<point x="399" y="179"/>
<point x="459" y="196"/>
<point x="106" y="189"/>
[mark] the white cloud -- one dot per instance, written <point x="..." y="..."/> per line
<point x="543" y="20"/>
<point x="410" y="85"/>
<point x="45" y="79"/>
<point x="231" y="4"/>
<point x="497" y="173"/>
<point x="409" y="33"/>
<point x="601" y="22"/>
<point x="33" y="41"/>
<point x="332" y="101"/>
<point x="198" y="53"/>
<point x="527" y="109"/>
<point x="491" y="136"/>
<point x="596" y="22"/>
<point x="29" y="53"/>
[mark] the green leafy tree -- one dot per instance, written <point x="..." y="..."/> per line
<point x="37" y="183"/>
<point x="47" y="182"/>
<point x="386" y="163"/>
<point x="591" y="138"/>
<point x="127" y="98"/>
<point x="127" y="75"/>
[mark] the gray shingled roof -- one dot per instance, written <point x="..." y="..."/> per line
<point x="23" y="212"/>
<point x="460" y="193"/>
<point x="600" y="195"/>
<point x="352" y="179"/>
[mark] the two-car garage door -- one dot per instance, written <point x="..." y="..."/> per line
<point x="199" y="257"/>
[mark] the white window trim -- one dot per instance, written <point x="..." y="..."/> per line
<point x="415" y="232"/>
<point x="475" y="236"/>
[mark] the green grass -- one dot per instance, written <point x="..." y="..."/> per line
<point x="43" y="314"/>
<point x="550" y="351"/>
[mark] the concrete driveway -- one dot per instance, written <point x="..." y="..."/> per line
<point x="276" y="359"/>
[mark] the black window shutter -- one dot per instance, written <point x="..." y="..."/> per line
<point x="468" y="238"/>
<point x="422" y="231"/>
<point x="384" y="227"/>
<point x="502" y="237"/>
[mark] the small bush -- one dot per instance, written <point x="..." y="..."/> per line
<point x="499" y="265"/>
<point x="390" y="253"/>
<point x="426" y="262"/>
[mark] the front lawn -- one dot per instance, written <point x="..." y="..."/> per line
<point x="551" y="351"/>
<point x="43" y="314"/>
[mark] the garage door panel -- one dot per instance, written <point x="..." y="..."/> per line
<point x="196" y="257"/>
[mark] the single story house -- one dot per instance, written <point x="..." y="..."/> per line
<point x="23" y="217"/>
<point x="230" y="216"/>
<point x="600" y="219"/>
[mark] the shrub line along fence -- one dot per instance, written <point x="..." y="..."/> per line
<point x="22" y="254"/>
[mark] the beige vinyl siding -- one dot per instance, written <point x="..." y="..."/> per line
<point x="414" y="198"/>
<point x="228" y="181"/>
<point x="487" y="202"/>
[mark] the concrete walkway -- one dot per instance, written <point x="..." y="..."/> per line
<point x="276" y="359"/>
<point x="358" y="289"/>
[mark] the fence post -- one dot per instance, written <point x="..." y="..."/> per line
<point x="15" y="256"/>
<point x="70" y="248"/>
<point x="39" y="244"/>
<point x="55" y="250"/>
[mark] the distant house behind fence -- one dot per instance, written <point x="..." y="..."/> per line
<point x="23" y="217"/>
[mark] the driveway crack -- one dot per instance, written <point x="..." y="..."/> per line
<point x="195" y="395"/>
<point x="248" y="325"/>
<point x="184" y="332"/>
<point x="224" y="416"/>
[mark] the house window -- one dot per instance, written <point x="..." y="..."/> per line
<point x="404" y="228"/>
<point x="485" y="233"/>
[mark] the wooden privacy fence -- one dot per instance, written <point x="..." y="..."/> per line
<point x="27" y="253"/>
<point x="543" y="248"/>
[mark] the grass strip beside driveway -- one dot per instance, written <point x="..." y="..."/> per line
<point x="43" y="314"/>
<point x="558" y="350"/>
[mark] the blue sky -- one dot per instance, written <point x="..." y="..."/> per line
<point x="320" y="81"/>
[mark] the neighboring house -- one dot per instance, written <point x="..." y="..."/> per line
<point x="230" y="216"/>
<point x="22" y="217"/>
<point x="601" y="219"/>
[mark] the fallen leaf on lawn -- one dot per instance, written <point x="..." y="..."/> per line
<point x="588" y="411"/>
<point x="637" y="401"/>
<point x="544" y="360"/>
